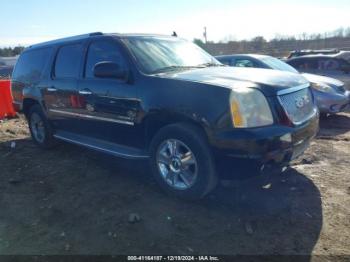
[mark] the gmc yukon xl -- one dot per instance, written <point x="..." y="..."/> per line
<point x="166" y="100"/>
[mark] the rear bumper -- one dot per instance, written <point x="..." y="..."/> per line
<point x="246" y="152"/>
<point x="332" y="103"/>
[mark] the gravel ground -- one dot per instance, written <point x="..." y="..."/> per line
<point x="71" y="200"/>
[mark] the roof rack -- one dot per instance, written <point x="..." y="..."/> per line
<point x="70" y="38"/>
<point x="303" y="52"/>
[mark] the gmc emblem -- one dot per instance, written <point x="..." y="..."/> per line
<point x="300" y="102"/>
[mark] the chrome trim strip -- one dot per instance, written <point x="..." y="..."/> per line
<point x="93" y="117"/>
<point x="85" y="92"/>
<point x="292" y="89"/>
<point x="98" y="148"/>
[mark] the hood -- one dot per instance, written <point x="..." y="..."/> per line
<point x="267" y="80"/>
<point x="323" y="79"/>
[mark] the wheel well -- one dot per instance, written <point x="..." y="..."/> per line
<point x="27" y="104"/>
<point x="154" y="124"/>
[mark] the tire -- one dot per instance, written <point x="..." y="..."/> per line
<point x="190" y="173"/>
<point x="40" y="128"/>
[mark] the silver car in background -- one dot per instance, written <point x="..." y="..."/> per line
<point x="331" y="94"/>
<point x="324" y="65"/>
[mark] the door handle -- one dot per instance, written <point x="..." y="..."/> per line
<point x="51" y="89"/>
<point x="85" y="92"/>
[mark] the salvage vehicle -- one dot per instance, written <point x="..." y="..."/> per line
<point x="335" y="53"/>
<point x="330" y="94"/>
<point x="164" y="99"/>
<point x="5" y="72"/>
<point x="324" y="65"/>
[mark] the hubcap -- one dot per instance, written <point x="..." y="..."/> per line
<point x="37" y="127"/>
<point x="177" y="164"/>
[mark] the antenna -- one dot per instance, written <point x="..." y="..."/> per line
<point x="205" y="34"/>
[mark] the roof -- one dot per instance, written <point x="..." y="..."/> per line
<point x="95" y="34"/>
<point x="314" y="56"/>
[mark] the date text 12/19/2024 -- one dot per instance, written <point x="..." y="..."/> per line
<point x="173" y="258"/>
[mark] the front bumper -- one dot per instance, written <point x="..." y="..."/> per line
<point x="331" y="103"/>
<point x="245" y="152"/>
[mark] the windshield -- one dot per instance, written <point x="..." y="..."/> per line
<point x="277" y="64"/>
<point x="157" y="55"/>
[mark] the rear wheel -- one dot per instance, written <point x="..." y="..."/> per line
<point x="182" y="162"/>
<point x="39" y="127"/>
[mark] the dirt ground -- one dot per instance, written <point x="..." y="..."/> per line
<point x="71" y="200"/>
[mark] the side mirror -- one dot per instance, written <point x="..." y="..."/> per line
<point x="109" y="70"/>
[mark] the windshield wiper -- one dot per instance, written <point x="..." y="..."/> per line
<point x="210" y="64"/>
<point x="170" y="68"/>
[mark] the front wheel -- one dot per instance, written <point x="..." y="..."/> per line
<point x="182" y="162"/>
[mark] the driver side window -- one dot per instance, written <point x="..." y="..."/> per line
<point x="102" y="51"/>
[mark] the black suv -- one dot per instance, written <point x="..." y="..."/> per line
<point x="164" y="99"/>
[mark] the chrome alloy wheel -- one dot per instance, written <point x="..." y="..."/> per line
<point x="37" y="127"/>
<point x="177" y="164"/>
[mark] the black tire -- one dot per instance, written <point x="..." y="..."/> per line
<point x="194" y="138"/>
<point x="47" y="140"/>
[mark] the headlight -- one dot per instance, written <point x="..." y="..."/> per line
<point x="249" y="108"/>
<point x="323" y="88"/>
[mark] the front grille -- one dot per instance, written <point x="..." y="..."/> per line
<point x="298" y="105"/>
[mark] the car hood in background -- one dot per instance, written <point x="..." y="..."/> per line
<point x="268" y="81"/>
<point x="322" y="79"/>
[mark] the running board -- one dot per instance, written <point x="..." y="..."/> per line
<point x="101" y="145"/>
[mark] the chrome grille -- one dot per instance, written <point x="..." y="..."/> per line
<point x="298" y="105"/>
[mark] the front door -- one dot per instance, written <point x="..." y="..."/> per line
<point x="111" y="104"/>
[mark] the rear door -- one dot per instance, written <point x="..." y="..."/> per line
<point x="62" y="97"/>
<point x="111" y="104"/>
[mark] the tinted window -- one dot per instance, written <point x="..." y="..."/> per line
<point x="102" y="51"/>
<point x="304" y="64"/>
<point x="328" y="64"/>
<point x="68" y="61"/>
<point x="225" y="61"/>
<point x="30" y="65"/>
<point x="243" y="63"/>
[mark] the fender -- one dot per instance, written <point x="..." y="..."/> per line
<point x="157" y="119"/>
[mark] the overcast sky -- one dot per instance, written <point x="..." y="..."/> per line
<point x="32" y="21"/>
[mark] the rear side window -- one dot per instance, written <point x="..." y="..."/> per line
<point x="30" y="65"/>
<point x="102" y="51"/>
<point x="328" y="64"/>
<point x="68" y="59"/>
<point x="304" y="64"/>
<point x="225" y="61"/>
